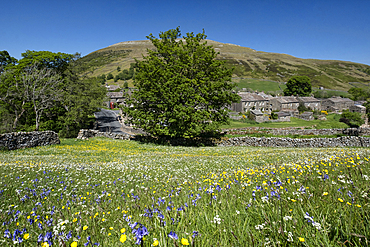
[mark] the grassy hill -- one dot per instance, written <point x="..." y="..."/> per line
<point x="248" y="63"/>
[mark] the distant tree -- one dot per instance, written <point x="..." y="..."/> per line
<point x="109" y="76"/>
<point x="6" y="59"/>
<point x="353" y="119"/>
<point x="118" y="68"/>
<point x="42" y="88"/>
<point x="302" y="108"/>
<point x="298" y="85"/>
<point x="125" y="84"/>
<point x="44" y="91"/>
<point x="358" y="94"/>
<point x="182" y="90"/>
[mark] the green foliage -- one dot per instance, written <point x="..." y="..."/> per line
<point x="367" y="105"/>
<point x="109" y="76"/>
<point x="101" y="78"/>
<point x="274" y="115"/>
<point x="46" y="59"/>
<point x="302" y="108"/>
<point x="353" y="119"/>
<point x="359" y="94"/>
<point x="125" y="84"/>
<point x="182" y="90"/>
<point x="118" y="68"/>
<point x="74" y="99"/>
<point x="6" y="59"/>
<point x="325" y="94"/>
<point x="298" y="85"/>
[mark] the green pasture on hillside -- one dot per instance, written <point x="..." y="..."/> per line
<point x="123" y="193"/>
<point x="261" y="85"/>
<point x="331" y="122"/>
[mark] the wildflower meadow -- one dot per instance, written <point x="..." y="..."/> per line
<point x="103" y="192"/>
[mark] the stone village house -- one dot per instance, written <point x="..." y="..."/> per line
<point x="115" y="97"/>
<point x="287" y="104"/>
<point x="251" y="101"/>
<point x="336" y="104"/>
<point x="310" y="102"/>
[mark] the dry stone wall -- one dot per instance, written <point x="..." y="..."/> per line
<point x="85" y="134"/>
<point x="17" y="140"/>
<point x="300" y="131"/>
<point x="344" y="141"/>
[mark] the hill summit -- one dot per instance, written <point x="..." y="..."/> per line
<point x="248" y="63"/>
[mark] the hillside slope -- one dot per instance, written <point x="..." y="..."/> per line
<point x="248" y="63"/>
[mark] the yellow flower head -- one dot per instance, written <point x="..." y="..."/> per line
<point x="26" y="236"/>
<point x="155" y="243"/>
<point x="325" y="193"/>
<point x="46" y="244"/>
<point x="301" y="239"/>
<point x="123" y="230"/>
<point x="74" y="244"/>
<point x="339" y="199"/>
<point x="123" y="238"/>
<point x="184" y="241"/>
<point x="85" y="227"/>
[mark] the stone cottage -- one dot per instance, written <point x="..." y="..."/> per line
<point x="285" y="103"/>
<point x="115" y="97"/>
<point x="336" y="104"/>
<point x="310" y="102"/>
<point x="258" y="116"/>
<point x="250" y="101"/>
<point x="358" y="108"/>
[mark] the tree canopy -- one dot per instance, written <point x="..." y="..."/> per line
<point x="43" y="91"/>
<point x="298" y="85"/>
<point x="182" y="89"/>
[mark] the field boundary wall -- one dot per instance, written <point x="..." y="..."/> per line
<point x="300" y="131"/>
<point x="343" y="141"/>
<point x="18" y="140"/>
<point x="86" y="133"/>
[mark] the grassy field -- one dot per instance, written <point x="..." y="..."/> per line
<point x="261" y="85"/>
<point x="122" y="193"/>
<point x="331" y="122"/>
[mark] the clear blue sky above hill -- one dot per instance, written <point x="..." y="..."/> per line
<point x="320" y="29"/>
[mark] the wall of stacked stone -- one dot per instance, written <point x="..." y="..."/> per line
<point x="85" y="134"/>
<point x="343" y="141"/>
<point x="300" y="131"/>
<point x="17" y="140"/>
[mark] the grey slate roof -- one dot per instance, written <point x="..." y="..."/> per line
<point x="251" y="97"/>
<point x="115" y="95"/>
<point x="287" y="99"/>
<point x="308" y="99"/>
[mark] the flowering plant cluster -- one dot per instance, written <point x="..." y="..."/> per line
<point x="104" y="192"/>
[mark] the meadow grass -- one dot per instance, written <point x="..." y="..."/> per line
<point x="332" y="122"/>
<point x="122" y="193"/>
<point x="261" y="85"/>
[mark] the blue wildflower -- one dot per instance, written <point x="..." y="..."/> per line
<point x="173" y="235"/>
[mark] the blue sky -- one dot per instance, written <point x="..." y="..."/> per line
<point x="322" y="29"/>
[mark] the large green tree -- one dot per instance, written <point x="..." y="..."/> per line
<point x="182" y="90"/>
<point x="298" y="85"/>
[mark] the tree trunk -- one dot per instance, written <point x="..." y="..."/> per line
<point x="17" y="117"/>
